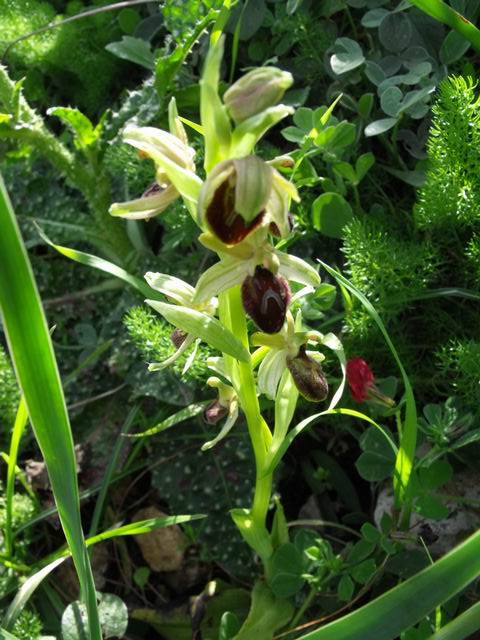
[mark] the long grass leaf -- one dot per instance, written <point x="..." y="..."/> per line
<point x="463" y="626"/>
<point x="408" y="439"/>
<point x="33" y="582"/>
<point x="103" y="265"/>
<point x="403" y="606"/>
<point x="37" y="372"/>
<point x="97" y="513"/>
<point x="447" y="15"/>
<point x="21" y="420"/>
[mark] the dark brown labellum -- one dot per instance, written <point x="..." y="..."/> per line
<point x="152" y="190"/>
<point x="224" y="221"/>
<point x="275" y="231"/>
<point x="266" y="298"/>
<point x="178" y="338"/>
<point x="308" y="376"/>
<point x="214" y="412"/>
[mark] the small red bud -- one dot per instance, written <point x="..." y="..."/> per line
<point x="308" y="376"/>
<point x="265" y="298"/>
<point x="362" y="383"/>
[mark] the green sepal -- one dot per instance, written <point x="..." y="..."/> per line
<point x="215" y="121"/>
<point x="247" y="134"/>
<point x="203" y="326"/>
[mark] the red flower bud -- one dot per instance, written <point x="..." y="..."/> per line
<point x="362" y="383"/>
<point x="265" y="298"/>
<point x="308" y="376"/>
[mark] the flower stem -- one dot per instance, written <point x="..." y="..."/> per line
<point x="232" y="314"/>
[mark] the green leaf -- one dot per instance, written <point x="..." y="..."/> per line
<point x="442" y="12"/>
<point x="436" y="475"/>
<point x="395" y="32"/>
<point x="463" y="626"/>
<point x="345" y="588"/>
<point x="287" y="569"/>
<point x="203" y="326"/>
<point x="364" y="571"/>
<point x="113" y="614"/>
<point x="453" y="48"/>
<point x="184" y="414"/>
<point x="85" y="134"/>
<point x="370" y="533"/>
<point x="134" y="50"/>
<point x="348" y="56"/>
<point x="346" y="170"/>
<point x="377" y="461"/>
<point x="229" y="626"/>
<point x="267" y="614"/>
<point x="363" y="165"/>
<point x="374" y="17"/>
<point x="380" y="126"/>
<point x="136" y="528"/>
<point x="391" y="101"/>
<point x="103" y="265"/>
<point x="29" y="342"/>
<point x="431" y="507"/>
<point x="408" y="603"/>
<point x="365" y="105"/>
<point x="330" y="214"/>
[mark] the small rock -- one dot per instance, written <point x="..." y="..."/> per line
<point x="162" y="549"/>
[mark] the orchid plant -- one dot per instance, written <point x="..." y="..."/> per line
<point x="242" y="210"/>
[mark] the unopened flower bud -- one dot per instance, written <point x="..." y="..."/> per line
<point x="178" y="338"/>
<point x="215" y="412"/>
<point x="233" y="199"/>
<point x="362" y="384"/>
<point x="308" y="376"/>
<point x="265" y="298"/>
<point x="256" y="91"/>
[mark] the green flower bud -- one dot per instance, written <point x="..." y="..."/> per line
<point x="256" y="91"/>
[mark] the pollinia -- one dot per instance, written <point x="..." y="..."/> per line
<point x="242" y="211"/>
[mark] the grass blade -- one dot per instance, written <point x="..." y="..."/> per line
<point x="408" y="439"/>
<point x="33" y="582"/>
<point x="443" y="13"/>
<point x="462" y="626"/>
<point x="402" y="607"/>
<point x="18" y="429"/>
<point x="37" y="372"/>
<point x="103" y="265"/>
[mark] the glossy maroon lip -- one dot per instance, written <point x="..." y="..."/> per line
<point x="265" y="298"/>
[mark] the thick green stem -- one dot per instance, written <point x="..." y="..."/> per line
<point x="253" y="526"/>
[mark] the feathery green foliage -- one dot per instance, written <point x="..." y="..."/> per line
<point x="450" y="197"/>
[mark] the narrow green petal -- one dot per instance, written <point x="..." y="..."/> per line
<point x="247" y="134"/>
<point x="147" y="207"/>
<point x="170" y="286"/>
<point x="222" y="276"/>
<point x="270" y="372"/>
<point x="296" y="269"/>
